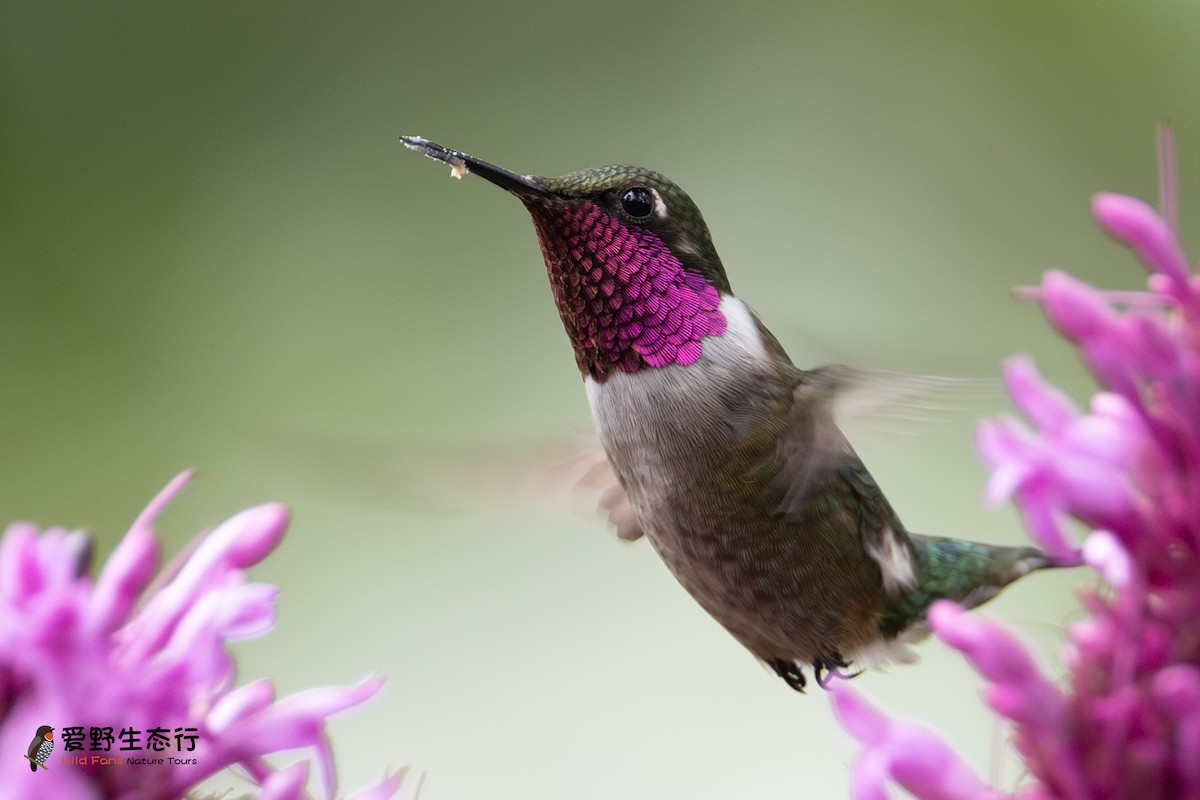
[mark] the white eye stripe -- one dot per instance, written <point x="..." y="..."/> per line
<point x="660" y="207"/>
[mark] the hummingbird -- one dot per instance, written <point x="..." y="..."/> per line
<point x="727" y="457"/>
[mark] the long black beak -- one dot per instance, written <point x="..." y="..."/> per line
<point x="522" y="185"/>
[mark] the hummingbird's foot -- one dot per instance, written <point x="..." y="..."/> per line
<point x="790" y="672"/>
<point x="832" y="666"/>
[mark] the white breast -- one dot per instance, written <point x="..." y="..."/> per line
<point x="653" y="418"/>
<point x="734" y="353"/>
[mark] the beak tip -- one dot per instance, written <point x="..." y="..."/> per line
<point x="461" y="164"/>
<point x="419" y="143"/>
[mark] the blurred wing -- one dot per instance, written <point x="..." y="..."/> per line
<point x="828" y="400"/>
<point x="576" y="471"/>
<point x="868" y="403"/>
<point x="571" y="472"/>
<point x="600" y="487"/>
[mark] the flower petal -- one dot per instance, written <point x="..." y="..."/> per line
<point x="126" y="573"/>
<point x="856" y="715"/>
<point x="1103" y="552"/>
<point x="1136" y="224"/>
<point x="1046" y="407"/>
<point x="285" y="784"/>
<point x="385" y="789"/>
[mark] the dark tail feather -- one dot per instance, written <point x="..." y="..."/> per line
<point x="972" y="573"/>
<point x="969" y="573"/>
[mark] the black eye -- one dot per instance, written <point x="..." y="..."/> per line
<point x="637" y="202"/>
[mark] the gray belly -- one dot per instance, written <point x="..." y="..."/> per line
<point x="685" y="441"/>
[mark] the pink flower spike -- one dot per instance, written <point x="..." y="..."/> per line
<point x="1125" y="721"/>
<point x="77" y="654"/>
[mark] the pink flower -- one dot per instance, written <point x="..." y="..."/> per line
<point x="1125" y="721"/>
<point x="903" y="753"/>
<point x="92" y="658"/>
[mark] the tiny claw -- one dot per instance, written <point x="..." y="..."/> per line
<point x="791" y="674"/>
<point x="837" y="673"/>
<point x="832" y="666"/>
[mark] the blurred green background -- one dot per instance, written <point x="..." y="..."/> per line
<point x="214" y="253"/>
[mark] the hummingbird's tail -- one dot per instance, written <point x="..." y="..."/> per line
<point x="969" y="573"/>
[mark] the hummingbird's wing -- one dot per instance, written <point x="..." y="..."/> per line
<point x="437" y="477"/>
<point x="576" y="468"/>
<point x="832" y="401"/>
<point x="816" y="457"/>
<point x="602" y="482"/>
<point x="868" y="402"/>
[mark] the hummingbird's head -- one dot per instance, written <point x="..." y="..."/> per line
<point x="638" y="199"/>
<point x="633" y="269"/>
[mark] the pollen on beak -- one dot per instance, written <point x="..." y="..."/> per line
<point x="460" y="163"/>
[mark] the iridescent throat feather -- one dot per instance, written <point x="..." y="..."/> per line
<point x="625" y="299"/>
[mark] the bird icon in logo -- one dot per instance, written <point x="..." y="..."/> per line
<point x="41" y="747"/>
